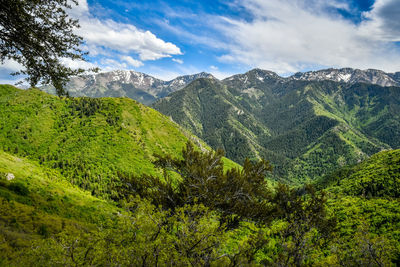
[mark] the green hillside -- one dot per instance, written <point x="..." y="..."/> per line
<point x="367" y="194"/>
<point x="47" y="221"/>
<point x="37" y="202"/>
<point x="210" y="111"/>
<point x="89" y="140"/>
<point x="378" y="176"/>
<point x="305" y="128"/>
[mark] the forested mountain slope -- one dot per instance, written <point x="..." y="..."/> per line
<point x="378" y="176"/>
<point x="305" y="128"/>
<point x="206" y="217"/>
<point x="47" y="221"/>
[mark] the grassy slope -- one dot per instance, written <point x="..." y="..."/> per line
<point x="66" y="154"/>
<point x="39" y="202"/>
<point x="88" y="140"/>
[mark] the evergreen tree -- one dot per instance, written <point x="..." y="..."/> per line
<point x="38" y="34"/>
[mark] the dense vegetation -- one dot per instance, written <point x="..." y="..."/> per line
<point x="379" y="176"/>
<point x="88" y="140"/>
<point x="306" y="129"/>
<point x="47" y="221"/>
<point x="367" y="193"/>
<point x="145" y="196"/>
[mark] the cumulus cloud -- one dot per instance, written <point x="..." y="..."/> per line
<point x="110" y="64"/>
<point x="76" y="64"/>
<point x="131" y="61"/>
<point x="292" y="35"/>
<point x="104" y="35"/>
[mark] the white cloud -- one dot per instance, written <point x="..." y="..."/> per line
<point x="177" y="60"/>
<point x="383" y="20"/>
<point x="16" y="82"/>
<point x="80" y="10"/>
<point x="120" y="37"/>
<point x="206" y="38"/>
<point x="131" y="61"/>
<point x="291" y="35"/>
<point x="76" y="64"/>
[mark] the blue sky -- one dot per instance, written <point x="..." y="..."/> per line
<point x="171" y="38"/>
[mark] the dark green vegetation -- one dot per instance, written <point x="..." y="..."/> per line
<point x="111" y="182"/>
<point x="305" y="128"/>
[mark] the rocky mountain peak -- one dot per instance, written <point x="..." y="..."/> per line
<point x="119" y="83"/>
<point x="350" y="75"/>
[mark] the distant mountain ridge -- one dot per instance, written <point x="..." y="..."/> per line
<point x="349" y="75"/>
<point x="126" y="83"/>
<point x="147" y="89"/>
<point x="346" y="75"/>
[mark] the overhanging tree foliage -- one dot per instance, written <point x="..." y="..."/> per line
<point x="39" y="34"/>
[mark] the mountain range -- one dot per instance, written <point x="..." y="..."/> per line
<point x="307" y="127"/>
<point x="147" y="89"/>
<point x="350" y="75"/>
<point x="121" y="83"/>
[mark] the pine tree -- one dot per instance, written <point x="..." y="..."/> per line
<point x="38" y="34"/>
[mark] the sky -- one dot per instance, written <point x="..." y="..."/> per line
<point x="167" y="39"/>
